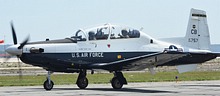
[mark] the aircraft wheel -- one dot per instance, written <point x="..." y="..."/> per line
<point x="82" y="83"/>
<point x="48" y="86"/>
<point x="116" y="84"/>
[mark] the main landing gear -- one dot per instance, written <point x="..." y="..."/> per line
<point x="82" y="81"/>
<point x="118" y="80"/>
<point x="48" y="84"/>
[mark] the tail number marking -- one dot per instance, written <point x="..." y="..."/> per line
<point x="193" y="40"/>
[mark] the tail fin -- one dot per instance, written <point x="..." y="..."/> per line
<point x="197" y="34"/>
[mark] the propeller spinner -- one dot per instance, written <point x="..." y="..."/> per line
<point x="16" y="49"/>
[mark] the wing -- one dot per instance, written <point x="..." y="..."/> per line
<point x="140" y="62"/>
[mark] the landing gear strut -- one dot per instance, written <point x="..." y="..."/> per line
<point x="118" y="80"/>
<point x="48" y="84"/>
<point x="82" y="81"/>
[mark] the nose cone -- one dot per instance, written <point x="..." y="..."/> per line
<point x="13" y="50"/>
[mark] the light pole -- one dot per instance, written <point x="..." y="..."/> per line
<point x="4" y="47"/>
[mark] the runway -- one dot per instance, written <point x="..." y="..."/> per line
<point x="183" y="88"/>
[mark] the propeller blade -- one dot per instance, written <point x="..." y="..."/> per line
<point x="14" y="34"/>
<point x="19" y="47"/>
<point x="24" y="43"/>
<point x="19" y="69"/>
<point x="6" y="59"/>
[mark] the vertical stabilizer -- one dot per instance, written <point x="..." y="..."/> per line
<point x="197" y="34"/>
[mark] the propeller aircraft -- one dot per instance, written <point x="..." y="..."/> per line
<point x="116" y="49"/>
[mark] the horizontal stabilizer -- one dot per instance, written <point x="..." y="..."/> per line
<point x="186" y="68"/>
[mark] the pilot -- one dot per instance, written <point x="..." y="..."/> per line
<point x="92" y="35"/>
<point x="134" y="33"/>
<point x="99" y="34"/>
<point x="124" y="33"/>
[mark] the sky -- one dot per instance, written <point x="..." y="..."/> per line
<point x="57" y="19"/>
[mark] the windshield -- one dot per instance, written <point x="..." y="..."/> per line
<point x="80" y="35"/>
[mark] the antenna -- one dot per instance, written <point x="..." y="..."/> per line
<point x="141" y="28"/>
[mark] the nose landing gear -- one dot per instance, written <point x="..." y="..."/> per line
<point x="48" y="84"/>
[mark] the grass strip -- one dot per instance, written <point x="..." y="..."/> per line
<point x="100" y="78"/>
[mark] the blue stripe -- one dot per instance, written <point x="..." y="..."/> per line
<point x="66" y="60"/>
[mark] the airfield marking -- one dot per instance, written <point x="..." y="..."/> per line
<point x="183" y="88"/>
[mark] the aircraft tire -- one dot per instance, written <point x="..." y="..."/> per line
<point x="48" y="86"/>
<point x="82" y="83"/>
<point x="116" y="84"/>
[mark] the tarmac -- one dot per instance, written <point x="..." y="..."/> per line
<point x="181" y="88"/>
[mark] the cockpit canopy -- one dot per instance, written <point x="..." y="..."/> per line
<point x="106" y="31"/>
